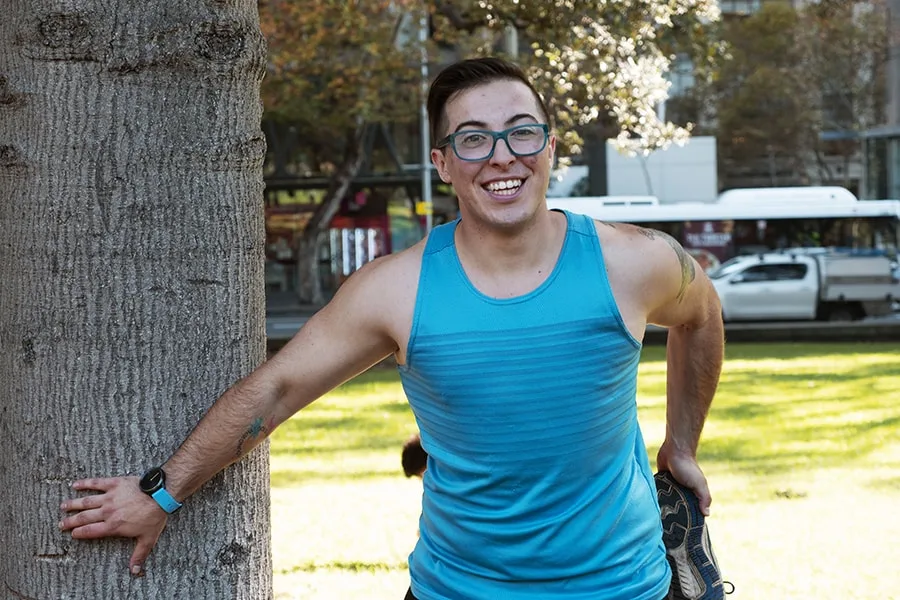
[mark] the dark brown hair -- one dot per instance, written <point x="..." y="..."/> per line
<point x="465" y="75"/>
<point x="413" y="457"/>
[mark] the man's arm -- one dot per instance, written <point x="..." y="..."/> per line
<point x="686" y="302"/>
<point x="346" y="337"/>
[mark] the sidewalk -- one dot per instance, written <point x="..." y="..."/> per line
<point x="285" y="315"/>
<point x="283" y="304"/>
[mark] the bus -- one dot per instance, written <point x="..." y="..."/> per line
<point x="756" y="220"/>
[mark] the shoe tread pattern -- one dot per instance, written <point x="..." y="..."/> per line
<point x="695" y="572"/>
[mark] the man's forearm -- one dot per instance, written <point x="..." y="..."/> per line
<point x="694" y="356"/>
<point x="239" y="420"/>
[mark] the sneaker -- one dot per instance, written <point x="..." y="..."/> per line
<point x="695" y="572"/>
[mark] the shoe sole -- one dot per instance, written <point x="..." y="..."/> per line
<point x="695" y="573"/>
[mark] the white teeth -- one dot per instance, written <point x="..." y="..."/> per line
<point x="509" y="184"/>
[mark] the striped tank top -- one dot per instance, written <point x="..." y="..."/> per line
<point x="538" y="484"/>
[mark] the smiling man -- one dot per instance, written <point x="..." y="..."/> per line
<point x="517" y="331"/>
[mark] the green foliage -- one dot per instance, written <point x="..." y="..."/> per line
<point x="763" y="93"/>
<point x="793" y="74"/>
<point x="334" y="64"/>
<point x="595" y="62"/>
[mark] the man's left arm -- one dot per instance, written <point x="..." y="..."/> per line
<point x="687" y="304"/>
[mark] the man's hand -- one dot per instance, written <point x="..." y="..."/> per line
<point x="687" y="472"/>
<point x="121" y="509"/>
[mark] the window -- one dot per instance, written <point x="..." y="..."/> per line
<point x="784" y="272"/>
<point x="791" y="272"/>
<point x="757" y="273"/>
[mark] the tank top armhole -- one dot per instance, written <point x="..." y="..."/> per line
<point x="414" y="327"/>
<point x="439" y="237"/>
<point x="609" y="298"/>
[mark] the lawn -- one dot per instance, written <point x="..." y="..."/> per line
<point x="802" y="450"/>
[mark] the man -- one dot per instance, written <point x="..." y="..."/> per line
<point x="517" y="334"/>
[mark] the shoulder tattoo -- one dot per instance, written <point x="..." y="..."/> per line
<point x="688" y="271"/>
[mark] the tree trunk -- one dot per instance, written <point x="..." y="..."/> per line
<point x="310" y="284"/>
<point x="132" y="290"/>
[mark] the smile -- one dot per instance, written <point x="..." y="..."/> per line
<point x="507" y="187"/>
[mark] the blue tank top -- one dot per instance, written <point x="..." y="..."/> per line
<point x="538" y="483"/>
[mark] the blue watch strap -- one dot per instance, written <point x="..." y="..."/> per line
<point x="165" y="500"/>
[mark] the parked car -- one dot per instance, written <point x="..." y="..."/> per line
<point x="799" y="285"/>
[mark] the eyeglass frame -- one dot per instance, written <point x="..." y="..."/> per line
<point x="450" y="140"/>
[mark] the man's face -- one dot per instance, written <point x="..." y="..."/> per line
<point x="503" y="190"/>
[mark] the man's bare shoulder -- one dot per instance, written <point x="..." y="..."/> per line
<point x="393" y="270"/>
<point x="649" y="252"/>
<point x="655" y="271"/>
<point x="381" y="291"/>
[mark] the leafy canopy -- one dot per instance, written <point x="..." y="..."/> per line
<point x="334" y="62"/>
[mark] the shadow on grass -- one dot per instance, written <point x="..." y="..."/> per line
<point x="343" y="566"/>
<point x="891" y="484"/>
<point x="784" y="350"/>
<point x="299" y="476"/>
<point x="746" y="377"/>
<point x="776" y="437"/>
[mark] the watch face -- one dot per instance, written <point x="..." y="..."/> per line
<point x="153" y="480"/>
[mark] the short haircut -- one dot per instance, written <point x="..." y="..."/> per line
<point x="465" y="75"/>
<point x="413" y="458"/>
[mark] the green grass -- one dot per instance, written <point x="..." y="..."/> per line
<point x="802" y="451"/>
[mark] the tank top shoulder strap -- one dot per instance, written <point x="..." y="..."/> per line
<point x="440" y="237"/>
<point x="581" y="224"/>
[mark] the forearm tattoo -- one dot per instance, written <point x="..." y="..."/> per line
<point x="257" y="429"/>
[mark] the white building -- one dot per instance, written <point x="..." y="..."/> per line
<point x="677" y="174"/>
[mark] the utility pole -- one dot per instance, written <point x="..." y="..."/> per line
<point x="426" y="206"/>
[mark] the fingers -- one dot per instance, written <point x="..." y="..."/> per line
<point x="99" y="484"/>
<point x="93" y="531"/>
<point x="81" y="519"/>
<point x="85" y="503"/>
<point x="139" y="556"/>
<point x="696" y="480"/>
<point x="701" y="489"/>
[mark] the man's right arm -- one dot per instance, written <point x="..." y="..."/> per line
<point x="353" y="332"/>
<point x="340" y="341"/>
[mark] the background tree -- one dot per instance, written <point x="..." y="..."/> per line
<point x="846" y="47"/>
<point x="765" y="94"/>
<point x="132" y="267"/>
<point x="336" y="68"/>
<point x="793" y="75"/>
<point x="595" y="62"/>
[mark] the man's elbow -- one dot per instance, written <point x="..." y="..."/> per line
<point x="706" y="316"/>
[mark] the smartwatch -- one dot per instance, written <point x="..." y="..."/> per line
<point x="153" y="483"/>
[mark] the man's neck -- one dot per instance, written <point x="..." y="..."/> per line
<point x="498" y="253"/>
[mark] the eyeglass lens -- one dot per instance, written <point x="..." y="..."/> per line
<point x="477" y="145"/>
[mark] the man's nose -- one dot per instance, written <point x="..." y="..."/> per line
<point x="502" y="153"/>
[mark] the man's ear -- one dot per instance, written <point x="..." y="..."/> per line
<point x="440" y="162"/>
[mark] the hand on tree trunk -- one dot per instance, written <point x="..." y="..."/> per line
<point x="121" y="509"/>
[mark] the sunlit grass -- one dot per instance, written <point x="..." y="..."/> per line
<point x="802" y="450"/>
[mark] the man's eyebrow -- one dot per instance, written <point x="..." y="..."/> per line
<point x="483" y="125"/>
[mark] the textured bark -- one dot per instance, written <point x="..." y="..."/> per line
<point x="131" y="262"/>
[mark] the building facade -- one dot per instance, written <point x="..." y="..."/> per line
<point x="882" y="144"/>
